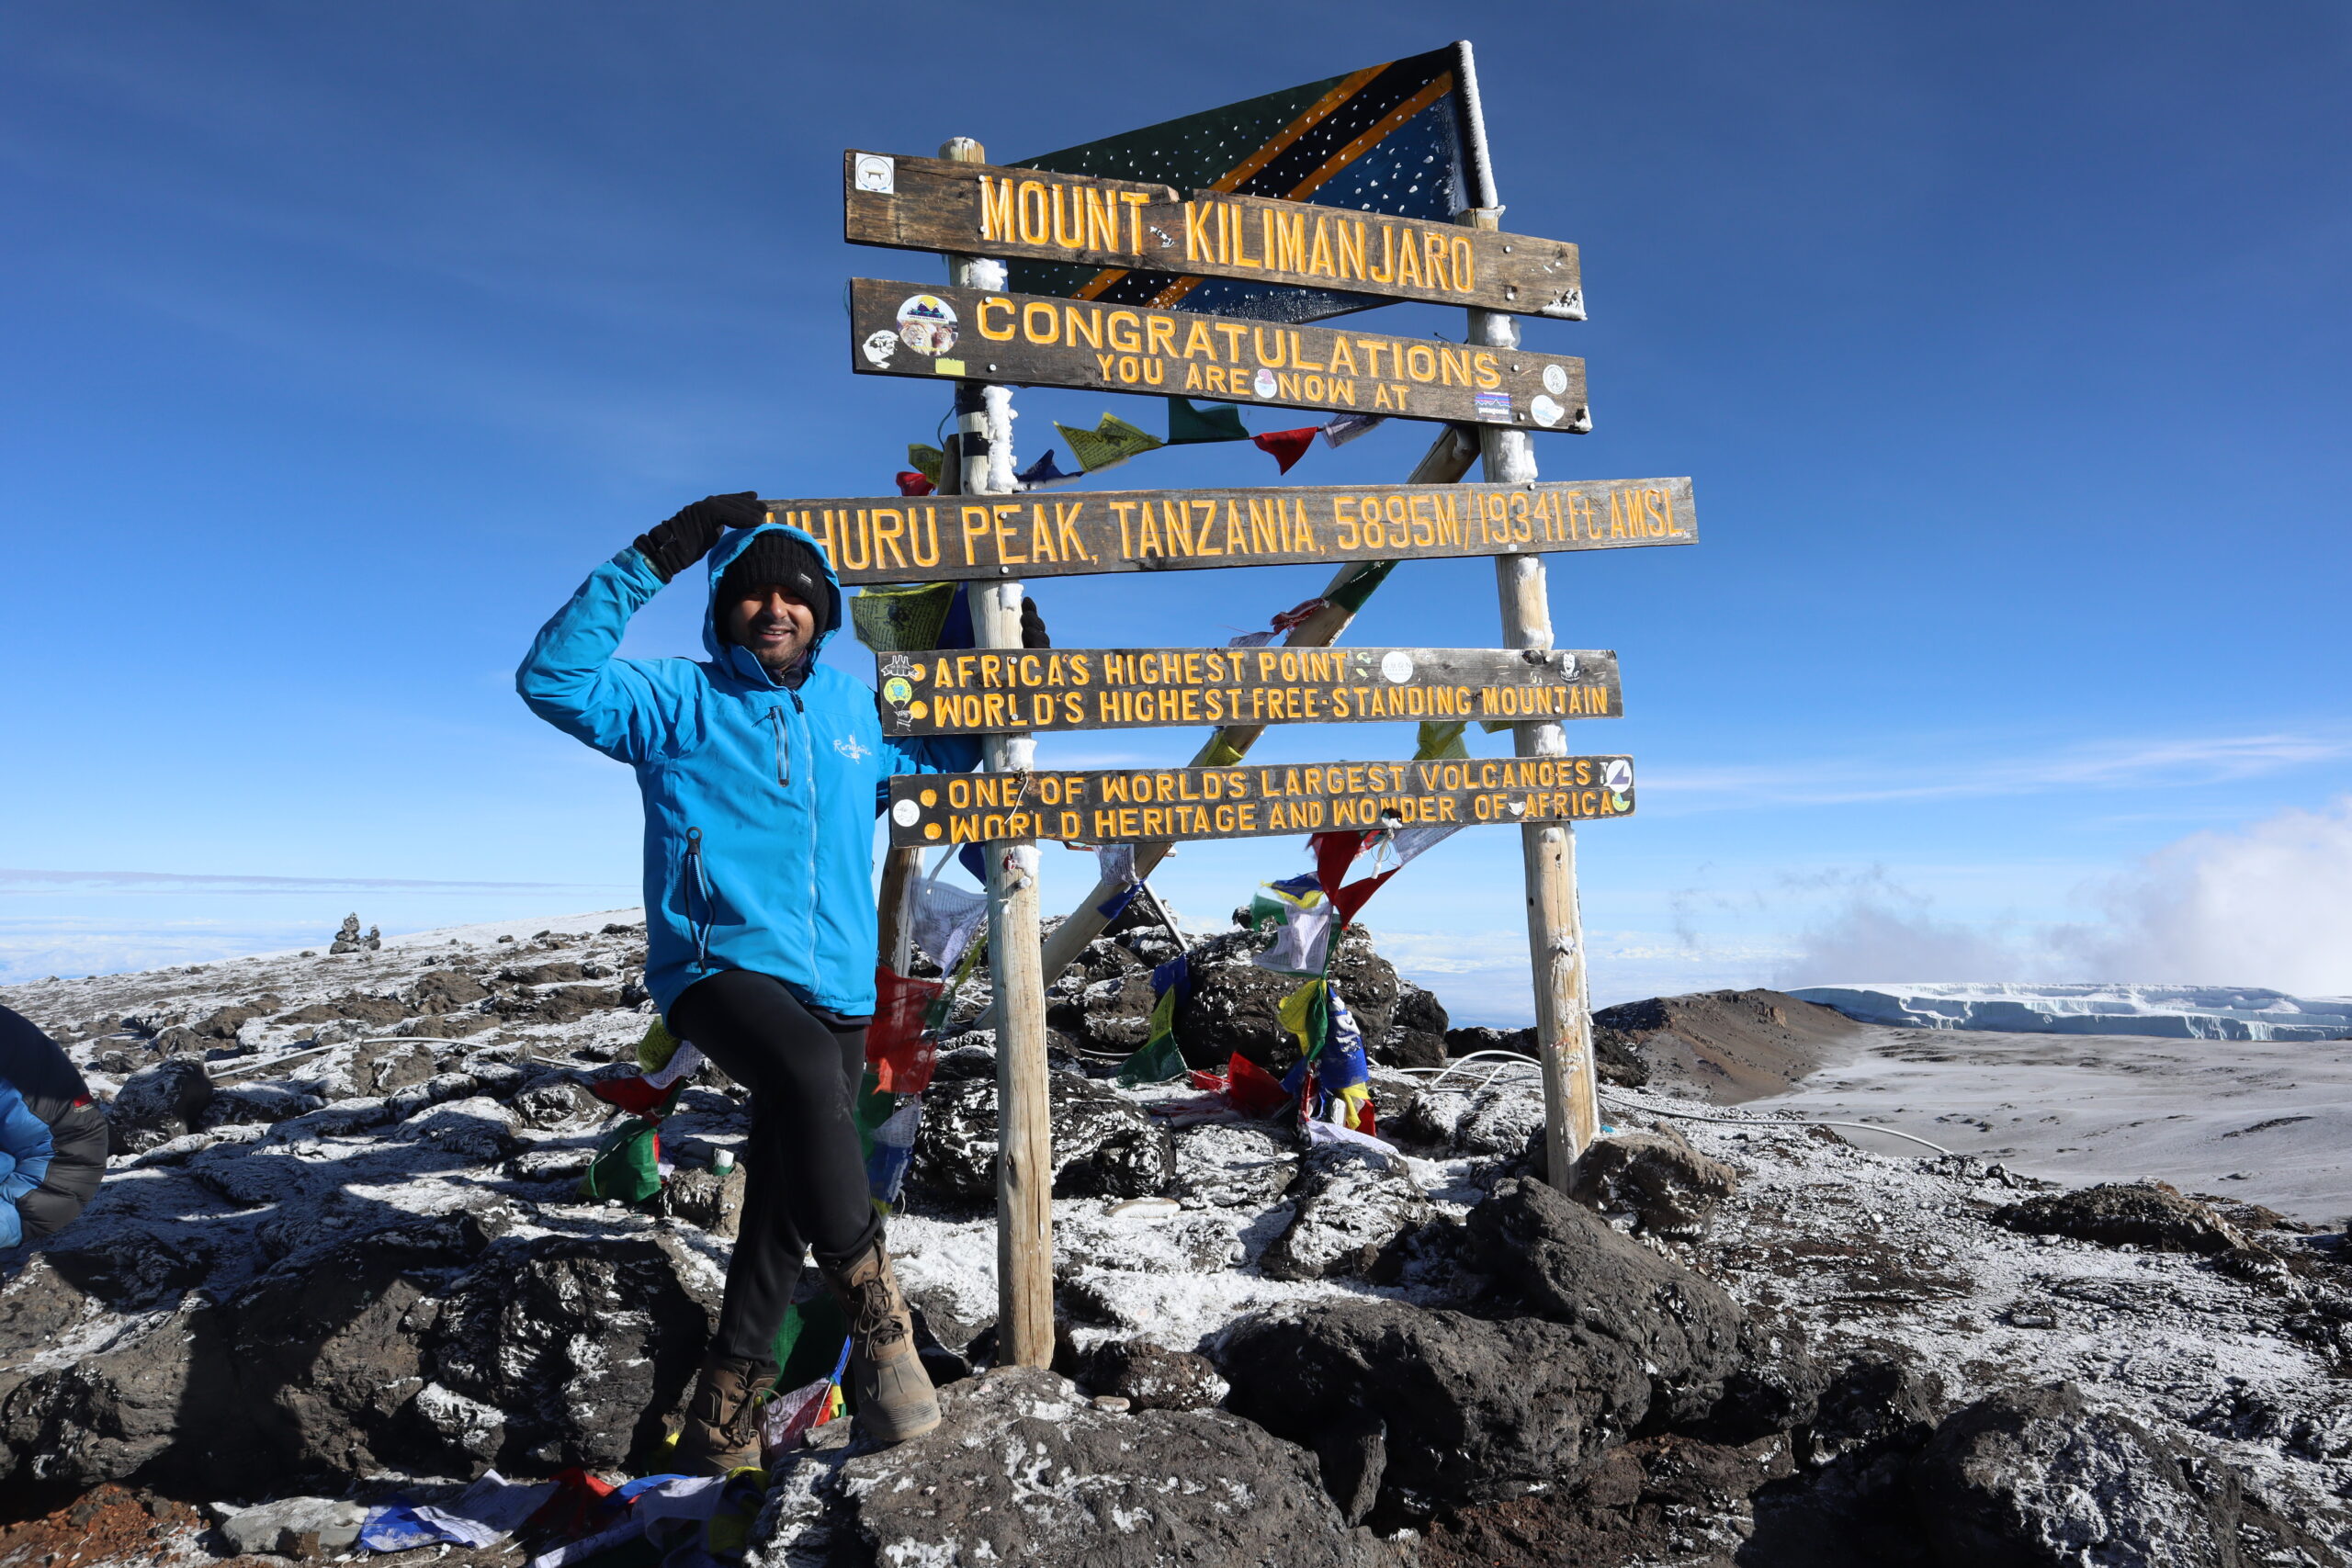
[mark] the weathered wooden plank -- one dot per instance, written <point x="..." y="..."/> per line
<point x="1156" y="805"/>
<point x="936" y="539"/>
<point x="924" y="203"/>
<point x="972" y="691"/>
<point x="907" y="329"/>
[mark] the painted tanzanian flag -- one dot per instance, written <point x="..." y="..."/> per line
<point x="1402" y="138"/>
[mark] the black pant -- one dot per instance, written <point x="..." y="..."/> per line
<point x="805" y="1180"/>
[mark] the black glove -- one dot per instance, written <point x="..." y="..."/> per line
<point x="1033" y="624"/>
<point x="685" y="539"/>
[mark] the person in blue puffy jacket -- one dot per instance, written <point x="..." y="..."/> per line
<point x="52" y="1134"/>
<point x="760" y="771"/>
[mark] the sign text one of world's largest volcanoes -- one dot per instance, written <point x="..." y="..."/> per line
<point x="1156" y="805"/>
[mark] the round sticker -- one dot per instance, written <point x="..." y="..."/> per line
<point x="897" y="690"/>
<point x="1555" y="379"/>
<point x="905" y="813"/>
<point x="1547" y="412"/>
<point x="1618" y="775"/>
<point x="1397" y="665"/>
<point x="880" y="348"/>
<point x="927" y="323"/>
<point x="1568" y="665"/>
<point x="1266" y="384"/>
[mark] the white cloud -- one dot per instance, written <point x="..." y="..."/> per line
<point x="2268" y="905"/>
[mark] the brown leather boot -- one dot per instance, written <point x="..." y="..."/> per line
<point x="722" y="1429"/>
<point x="895" y="1400"/>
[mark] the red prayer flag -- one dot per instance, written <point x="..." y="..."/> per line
<point x="1253" y="1091"/>
<point x="1287" y="446"/>
<point x="913" y="483"/>
<point x="902" y="1052"/>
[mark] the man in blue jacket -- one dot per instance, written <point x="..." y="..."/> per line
<point x="760" y="771"/>
<point x="52" y="1135"/>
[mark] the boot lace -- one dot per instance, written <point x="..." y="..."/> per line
<point x="872" y="1318"/>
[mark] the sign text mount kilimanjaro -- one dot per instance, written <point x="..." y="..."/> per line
<point x="929" y="203"/>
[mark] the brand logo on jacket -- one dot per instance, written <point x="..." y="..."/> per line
<point x="848" y="747"/>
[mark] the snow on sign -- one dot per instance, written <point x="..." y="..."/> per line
<point x="930" y="204"/>
<point x="968" y="692"/>
<point x="912" y="329"/>
<point x="1158" y="805"/>
<point x="942" y="538"/>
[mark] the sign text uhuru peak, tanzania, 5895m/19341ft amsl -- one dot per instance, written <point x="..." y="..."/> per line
<point x="941" y="538"/>
<point x="929" y="203"/>
<point x="979" y="691"/>
<point x="909" y="329"/>
<point x="1156" y="805"/>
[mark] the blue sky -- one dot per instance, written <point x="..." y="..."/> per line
<point x="2004" y="345"/>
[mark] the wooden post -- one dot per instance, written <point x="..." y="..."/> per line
<point x="1555" y="920"/>
<point x="1024" y="1169"/>
<point x="1447" y="460"/>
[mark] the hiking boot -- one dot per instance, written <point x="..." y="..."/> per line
<point x="893" y="1393"/>
<point x="722" y="1429"/>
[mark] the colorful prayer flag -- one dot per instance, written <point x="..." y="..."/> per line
<point x="1043" y="475"/>
<point x="1189" y="426"/>
<point x="1160" y="1059"/>
<point x="1111" y="442"/>
<point x="1287" y="446"/>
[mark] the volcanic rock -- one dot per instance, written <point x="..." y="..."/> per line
<point x="1350" y="1201"/>
<point x="1152" y="1377"/>
<point x="1572" y="1266"/>
<point x="2037" y="1479"/>
<point x="1655" y="1181"/>
<point x="2152" y="1215"/>
<point x="157" y="1104"/>
<point x="1024" y="1470"/>
<point x="1103" y="1145"/>
<point x="1231" y="1009"/>
<point x="1222" y="1165"/>
<point x="1446" y="1407"/>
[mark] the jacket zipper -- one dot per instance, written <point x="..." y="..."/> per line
<point x="698" y="885"/>
<point x="816" y="834"/>
<point x="783" y="743"/>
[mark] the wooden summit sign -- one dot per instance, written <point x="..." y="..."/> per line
<point x="967" y="692"/>
<point x="911" y="329"/>
<point x="930" y="204"/>
<point x="1153" y="805"/>
<point x="939" y="538"/>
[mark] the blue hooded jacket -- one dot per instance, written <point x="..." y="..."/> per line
<point x="760" y="797"/>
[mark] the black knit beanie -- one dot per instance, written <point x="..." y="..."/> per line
<point x="778" y="558"/>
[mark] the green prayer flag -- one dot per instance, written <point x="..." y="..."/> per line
<point x="1188" y="425"/>
<point x="627" y="1163"/>
<point x="1368" y="575"/>
<point x="1110" y="443"/>
<point x="901" y="617"/>
<point x="1158" y="1060"/>
<point x="1441" y="738"/>
<point x="925" y="460"/>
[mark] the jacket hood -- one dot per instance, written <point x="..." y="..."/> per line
<point x="735" y="658"/>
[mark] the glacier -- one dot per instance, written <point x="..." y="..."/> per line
<point x="2188" y="1012"/>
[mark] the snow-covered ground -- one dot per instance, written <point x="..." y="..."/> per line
<point x="2181" y="1012"/>
<point x="2258" y="1121"/>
